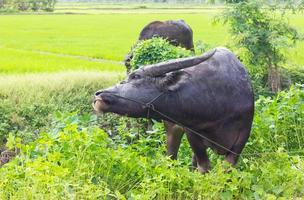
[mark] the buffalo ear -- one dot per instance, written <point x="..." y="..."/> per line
<point x="173" y="80"/>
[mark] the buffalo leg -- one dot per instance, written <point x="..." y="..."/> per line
<point x="240" y="141"/>
<point x="194" y="161"/>
<point x="174" y="137"/>
<point x="237" y="148"/>
<point x="200" y="153"/>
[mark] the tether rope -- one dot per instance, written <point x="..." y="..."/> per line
<point x="150" y="106"/>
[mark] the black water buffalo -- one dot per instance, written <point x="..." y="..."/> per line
<point x="210" y="95"/>
<point x="177" y="32"/>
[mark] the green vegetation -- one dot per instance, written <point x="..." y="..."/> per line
<point x="64" y="151"/>
<point x="28" y="102"/>
<point x="278" y="123"/>
<point x="143" y="8"/>
<point x="23" y="61"/>
<point x="264" y="33"/>
<point x="156" y="50"/>
<point x="27" y="5"/>
<point x="105" y="36"/>
<point x="78" y="160"/>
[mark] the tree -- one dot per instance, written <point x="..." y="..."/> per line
<point x="2" y="3"/>
<point x="263" y="31"/>
<point x="26" y="5"/>
<point x="48" y="5"/>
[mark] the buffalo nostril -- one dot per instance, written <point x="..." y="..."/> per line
<point x="106" y="101"/>
<point x="98" y="93"/>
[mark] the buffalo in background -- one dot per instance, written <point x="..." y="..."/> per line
<point x="178" y="33"/>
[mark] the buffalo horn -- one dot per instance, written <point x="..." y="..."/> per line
<point x="176" y="64"/>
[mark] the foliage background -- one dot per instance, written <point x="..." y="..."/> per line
<point x="64" y="153"/>
<point x="75" y="159"/>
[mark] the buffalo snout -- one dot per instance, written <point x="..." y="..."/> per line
<point x="98" y="93"/>
<point x="106" y="97"/>
<point x="102" y="101"/>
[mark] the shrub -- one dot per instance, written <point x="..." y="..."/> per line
<point x="293" y="75"/>
<point x="156" y="50"/>
<point x="26" y="5"/>
<point x="278" y="123"/>
<point x="73" y="158"/>
<point x="29" y="108"/>
<point x="81" y="162"/>
<point x="264" y="31"/>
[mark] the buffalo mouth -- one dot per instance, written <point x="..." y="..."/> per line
<point x="100" y="105"/>
<point x="103" y="101"/>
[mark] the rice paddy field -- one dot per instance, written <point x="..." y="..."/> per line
<point x="97" y="41"/>
<point x="51" y="64"/>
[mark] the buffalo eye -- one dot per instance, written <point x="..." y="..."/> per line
<point x="134" y="76"/>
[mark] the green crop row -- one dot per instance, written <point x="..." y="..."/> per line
<point x="22" y="61"/>
<point x="29" y="44"/>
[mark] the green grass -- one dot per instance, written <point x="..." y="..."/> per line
<point x="28" y="101"/>
<point x="24" y="61"/>
<point x="121" y="5"/>
<point x="77" y="160"/>
<point x="26" y="88"/>
<point x="104" y="36"/>
<point x="107" y="36"/>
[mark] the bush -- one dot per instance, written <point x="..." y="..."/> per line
<point x="27" y="103"/>
<point x="72" y="158"/>
<point x="156" y="50"/>
<point x="81" y="162"/>
<point x="278" y="123"/>
<point x="26" y="5"/>
<point x="293" y="75"/>
<point x="263" y="30"/>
